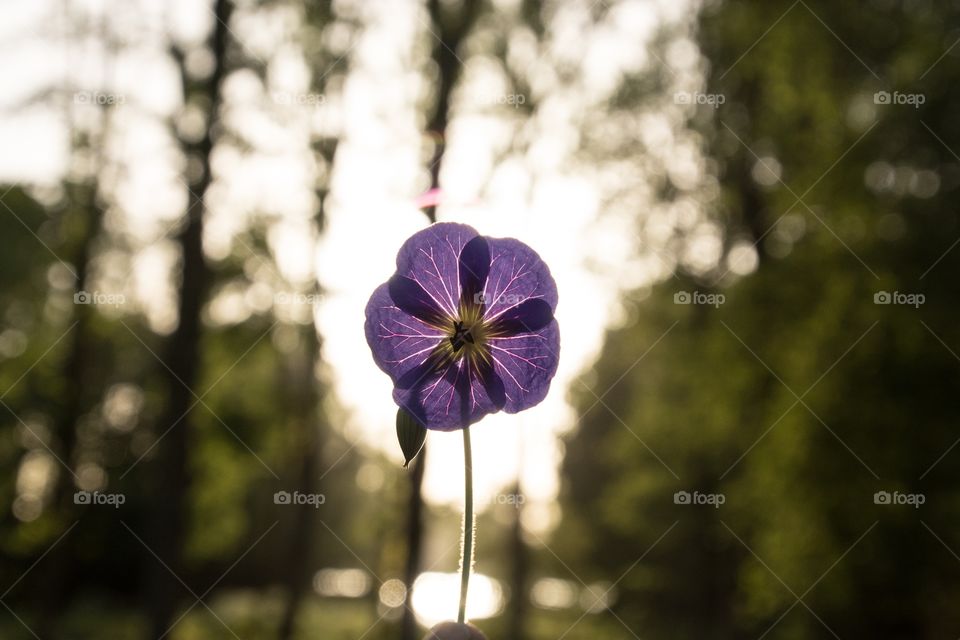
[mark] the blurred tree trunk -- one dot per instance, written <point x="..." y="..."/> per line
<point x="86" y="214"/>
<point x="519" y="572"/>
<point x="298" y="570"/>
<point x="450" y="25"/>
<point x="170" y="472"/>
<point x="753" y="209"/>
<point x="83" y="224"/>
<point x="408" y="630"/>
<point x="306" y="406"/>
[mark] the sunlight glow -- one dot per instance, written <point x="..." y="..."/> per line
<point x="342" y="583"/>
<point x="436" y="595"/>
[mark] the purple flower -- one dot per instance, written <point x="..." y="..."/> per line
<point x="465" y="326"/>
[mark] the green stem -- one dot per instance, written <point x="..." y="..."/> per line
<point x="466" y="560"/>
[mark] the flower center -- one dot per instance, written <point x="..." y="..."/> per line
<point x="466" y="337"/>
<point x="461" y="336"/>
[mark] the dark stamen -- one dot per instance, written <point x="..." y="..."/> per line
<point x="459" y="335"/>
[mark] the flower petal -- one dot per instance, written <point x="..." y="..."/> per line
<point x="521" y="296"/>
<point x="526" y="317"/>
<point x="451" y="398"/>
<point x="474" y="265"/>
<point x="399" y="341"/>
<point x="431" y="258"/>
<point x="526" y="363"/>
<point x="492" y="384"/>
<point x="411" y="298"/>
<point x="517" y="274"/>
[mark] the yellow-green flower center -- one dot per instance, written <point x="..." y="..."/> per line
<point x="466" y="337"/>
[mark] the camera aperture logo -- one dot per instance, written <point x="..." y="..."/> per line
<point x="96" y="498"/>
<point x="700" y="298"/>
<point x="896" y="297"/>
<point x="298" y="499"/>
<point x="698" y="498"/>
<point x="897" y="498"/>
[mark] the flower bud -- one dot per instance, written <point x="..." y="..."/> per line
<point x="410" y="434"/>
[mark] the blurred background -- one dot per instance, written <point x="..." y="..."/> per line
<point x="750" y="211"/>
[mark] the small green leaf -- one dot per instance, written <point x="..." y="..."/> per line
<point x="410" y="434"/>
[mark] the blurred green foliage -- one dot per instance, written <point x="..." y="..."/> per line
<point x="798" y="398"/>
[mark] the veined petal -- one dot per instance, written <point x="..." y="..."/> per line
<point x="526" y="317"/>
<point x="526" y="363"/>
<point x="411" y="298"/>
<point x="399" y="341"/>
<point x="474" y="265"/>
<point x="524" y="339"/>
<point x="451" y="398"/>
<point x="517" y="275"/>
<point x="431" y="258"/>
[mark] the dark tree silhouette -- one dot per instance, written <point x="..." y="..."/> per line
<point x="169" y="470"/>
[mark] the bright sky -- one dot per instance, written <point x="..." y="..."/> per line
<point x="503" y="175"/>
